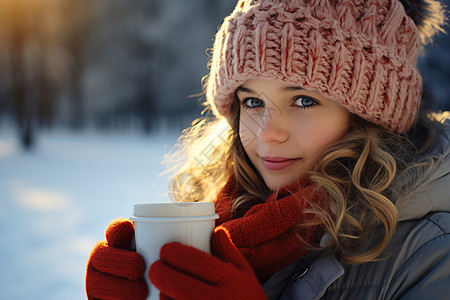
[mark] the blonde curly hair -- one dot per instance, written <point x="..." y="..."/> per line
<point x="354" y="174"/>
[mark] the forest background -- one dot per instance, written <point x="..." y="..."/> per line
<point x="121" y="64"/>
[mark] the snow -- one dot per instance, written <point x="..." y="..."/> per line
<point x="56" y="201"/>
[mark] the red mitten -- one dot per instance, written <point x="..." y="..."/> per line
<point x="184" y="272"/>
<point x="267" y="234"/>
<point x="113" y="271"/>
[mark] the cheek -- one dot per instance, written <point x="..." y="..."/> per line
<point x="247" y="131"/>
<point x="320" y="140"/>
<point x="316" y="136"/>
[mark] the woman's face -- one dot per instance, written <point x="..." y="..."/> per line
<point x="284" y="127"/>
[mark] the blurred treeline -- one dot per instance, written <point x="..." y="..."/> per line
<point x="117" y="64"/>
<point x="104" y="63"/>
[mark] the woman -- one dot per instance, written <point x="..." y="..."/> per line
<point x="329" y="174"/>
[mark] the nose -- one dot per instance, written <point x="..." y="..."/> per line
<point x="271" y="130"/>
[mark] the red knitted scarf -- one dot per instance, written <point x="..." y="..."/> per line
<point x="267" y="234"/>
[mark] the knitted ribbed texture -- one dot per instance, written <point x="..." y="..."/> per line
<point x="184" y="272"/>
<point x="267" y="235"/>
<point x="114" y="271"/>
<point x="361" y="53"/>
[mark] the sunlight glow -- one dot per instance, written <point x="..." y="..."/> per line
<point x="38" y="199"/>
<point x="441" y="116"/>
<point x="6" y="149"/>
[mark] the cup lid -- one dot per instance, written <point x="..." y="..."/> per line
<point x="174" y="209"/>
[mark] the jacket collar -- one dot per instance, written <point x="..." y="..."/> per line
<point x="312" y="282"/>
<point x="307" y="278"/>
<point x="426" y="189"/>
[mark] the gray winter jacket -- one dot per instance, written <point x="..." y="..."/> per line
<point x="418" y="258"/>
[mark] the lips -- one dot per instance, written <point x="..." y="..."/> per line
<point x="277" y="163"/>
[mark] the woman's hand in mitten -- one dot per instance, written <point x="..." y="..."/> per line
<point x="114" y="271"/>
<point x="267" y="234"/>
<point x="184" y="272"/>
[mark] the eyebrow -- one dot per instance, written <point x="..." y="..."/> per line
<point x="284" y="89"/>
<point x="245" y="90"/>
<point x="292" y="88"/>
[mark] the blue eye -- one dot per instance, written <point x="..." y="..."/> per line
<point x="303" y="101"/>
<point x="252" y="102"/>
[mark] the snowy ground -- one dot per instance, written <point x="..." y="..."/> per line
<point x="55" y="204"/>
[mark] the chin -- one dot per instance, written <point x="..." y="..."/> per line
<point x="274" y="184"/>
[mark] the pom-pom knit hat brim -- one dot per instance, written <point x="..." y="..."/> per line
<point x="362" y="54"/>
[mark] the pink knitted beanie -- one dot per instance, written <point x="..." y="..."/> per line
<point x="360" y="53"/>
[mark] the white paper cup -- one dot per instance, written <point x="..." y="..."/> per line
<point x="156" y="224"/>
